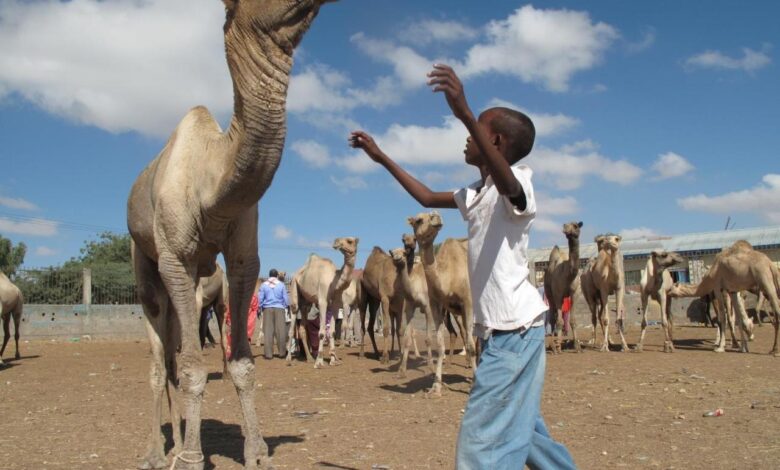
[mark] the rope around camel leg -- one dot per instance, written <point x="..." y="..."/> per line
<point x="180" y="456"/>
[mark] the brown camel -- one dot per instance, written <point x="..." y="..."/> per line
<point x="656" y="283"/>
<point x="198" y="198"/>
<point x="448" y="282"/>
<point x="735" y="269"/>
<point x="381" y="287"/>
<point x="605" y="276"/>
<point x="560" y="281"/>
<point x="319" y="283"/>
<point x="11" y="305"/>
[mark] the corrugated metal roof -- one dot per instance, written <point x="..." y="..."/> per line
<point x="759" y="237"/>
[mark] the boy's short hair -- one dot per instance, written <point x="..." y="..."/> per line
<point x="273" y="273"/>
<point x="517" y="129"/>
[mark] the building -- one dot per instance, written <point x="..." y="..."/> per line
<point x="698" y="249"/>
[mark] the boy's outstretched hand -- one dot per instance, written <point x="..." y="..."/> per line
<point x="443" y="78"/>
<point x="361" y="140"/>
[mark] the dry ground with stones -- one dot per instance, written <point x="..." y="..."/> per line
<point x="83" y="404"/>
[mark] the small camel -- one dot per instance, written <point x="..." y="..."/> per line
<point x="561" y="280"/>
<point x="446" y="272"/>
<point x="319" y="283"/>
<point x="11" y="305"/>
<point x="214" y="295"/>
<point x="656" y="283"/>
<point x="735" y="269"/>
<point x="381" y="287"/>
<point x="605" y="276"/>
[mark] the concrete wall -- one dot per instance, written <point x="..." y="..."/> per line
<point x="75" y="321"/>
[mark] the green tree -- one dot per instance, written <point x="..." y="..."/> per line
<point x="11" y="257"/>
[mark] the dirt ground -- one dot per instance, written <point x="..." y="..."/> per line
<point x="84" y="405"/>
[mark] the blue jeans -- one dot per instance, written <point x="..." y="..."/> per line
<point x="502" y="427"/>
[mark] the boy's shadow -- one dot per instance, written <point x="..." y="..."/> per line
<point x="218" y="438"/>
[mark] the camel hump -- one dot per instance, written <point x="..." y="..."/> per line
<point x="555" y="255"/>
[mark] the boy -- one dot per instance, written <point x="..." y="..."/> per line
<point x="502" y="427"/>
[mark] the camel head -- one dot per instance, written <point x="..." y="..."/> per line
<point x="282" y="275"/>
<point x="284" y="22"/>
<point x="409" y="243"/>
<point x="572" y="230"/>
<point x="398" y="256"/>
<point x="426" y="226"/>
<point x="346" y="245"/>
<point x="609" y="242"/>
<point x="665" y="258"/>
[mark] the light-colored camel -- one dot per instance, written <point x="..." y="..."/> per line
<point x="415" y="288"/>
<point x="11" y="306"/>
<point x="604" y="277"/>
<point x="735" y="269"/>
<point x="561" y="280"/>
<point x="351" y="300"/>
<point x="319" y="283"/>
<point x="199" y="198"/>
<point x="655" y="284"/>
<point x="381" y="288"/>
<point x="448" y="281"/>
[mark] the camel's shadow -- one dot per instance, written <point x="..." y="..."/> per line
<point x="218" y="438"/>
<point x="11" y="361"/>
<point x="425" y="382"/>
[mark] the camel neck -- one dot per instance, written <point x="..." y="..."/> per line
<point x="260" y="72"/>
<point x="574" y="253"/>
<point x="430" y="267"/>
<point x="345" y="276"/>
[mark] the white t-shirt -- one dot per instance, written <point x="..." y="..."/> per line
<point x="503" y="297"/>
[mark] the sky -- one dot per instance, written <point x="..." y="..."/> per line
<point x="653" y="118"/>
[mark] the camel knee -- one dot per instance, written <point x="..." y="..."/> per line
<point x="157" y="378"/>
<point x="192" y="379"/>
<point x="243" y="373"/>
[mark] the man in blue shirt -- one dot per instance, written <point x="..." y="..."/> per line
<point x="273" y="301"/>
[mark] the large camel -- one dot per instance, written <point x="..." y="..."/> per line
<point x="410" y="271"/>
<point x="198" y="198"/>
<point x="656" y="283"/>
<point x="319" y="283"/>
<point x="11" y="305"/>
<point x="735" y="269"/>
<point x="381" y="287"/>
<point x="448" y="281"/>
<point x="560" y="281"/>
<point x="603" y="277"/>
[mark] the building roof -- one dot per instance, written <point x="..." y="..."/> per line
<point x="689" y="244"/>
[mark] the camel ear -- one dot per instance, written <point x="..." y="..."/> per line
<point x="599" y="238"/>
<point x="579" y="224"/>
<point x="410" y="221"/>
<point x="230" y="5"/>
<point x="357" y="240"/>
<point x="618" y="238"/>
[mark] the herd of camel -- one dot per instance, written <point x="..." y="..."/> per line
<point x="199" y="197"/>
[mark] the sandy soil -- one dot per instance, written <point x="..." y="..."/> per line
<point x="84" y="405"/>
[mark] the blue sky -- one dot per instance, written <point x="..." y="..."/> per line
<point x="654" y="118"/>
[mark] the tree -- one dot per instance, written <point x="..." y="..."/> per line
<point x="11" y="257"/>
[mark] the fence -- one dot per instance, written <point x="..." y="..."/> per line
<point x="104" y="285"/>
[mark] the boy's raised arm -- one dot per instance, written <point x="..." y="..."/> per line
<point x="444" y="79"/>
<point x="419" y="191"/>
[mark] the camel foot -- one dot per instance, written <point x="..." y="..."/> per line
<point x="638" y="348"/>
<point x="668" y="347"/>
<point x="153" y="460"/>
<point x="604" y="348"/>
<point x="434" y="392"/>
<point x="385" y="358"/>
<point x="775" y="353"/>
<point x="719" y="350"/>
<point x="265" y="464"/>
<point x="319" y="363"/>
<point x="334" y="361"/>
<point x="401" y="374"/>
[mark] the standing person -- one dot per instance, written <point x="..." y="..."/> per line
<point x="273" y="302"/>
<point x="502" y="426"/>
<point x="566" y="310"/>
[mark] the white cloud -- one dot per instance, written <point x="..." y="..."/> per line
<point x="671" y="165"/>
<point x="45" y="251"/>
<point x="348" y="183"/>
<point x="282" y="233"/>
<point x="318" y="89"/>
<point x="639" y="232"/>
<point x="545" y="47"/>
<point x="556" y="205"/>
<point x="544" y="123"/>
<point x="409" y="66"/>
<point x="648" y="39"/>
<point x="749" y="62"/>
<point x="35" y="227"/>
<point x="543" y="224"/>
<point x="313" y="153"/>
<point x="17" y="203"/>
<point x="317" y="244"/>
<point x="568" y="166"/>
<point x="763" y="200"/>
<point x="120" y="65"/>
<point x="429" y="31"/>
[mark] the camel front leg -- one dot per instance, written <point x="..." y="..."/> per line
<point x="556" y="349"/>
<point x="438" y="319"/>
<point x="406" y="335"/>
<point x="621" y="317"/>
<point x="666" y="321"/>
<point x="745" y="325"/>
<point x="6" y="334"/>
<point x="386" y="334"/>
<point x="573" y="327"/>
<point x="303" y="334"/>
<point x="604" y="320"/>
<point x="724" y="304"/>
<point x="429" y="326"/>
<point x="468" y="338"/>
<point x="645" y="306"/>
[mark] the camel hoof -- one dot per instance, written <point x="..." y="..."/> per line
<point x="318" y="364"/>
<point x="434" y="392"/>
<point x="153" y="461"/>
<point x="385" y="359"/>
<point x="719" y="350"/>
<point x="638" y="348"/>
<point x="604" y="348"/>
<point x="265" y="464"/>
<point x="400" y="375"/>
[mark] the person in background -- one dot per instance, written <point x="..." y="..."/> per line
<point x="274" y="301"/>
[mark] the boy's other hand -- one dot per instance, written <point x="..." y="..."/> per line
<point x="361" y="140"/>
<point x="443" y="78"/>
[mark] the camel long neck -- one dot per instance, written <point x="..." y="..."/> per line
<point x="260" y="72"/>
<point x="574" y="254"/>
<point x="405" y="273"/>
<point x="345" y="276"/>
<point x="617" y="263"/>
<point x="430" y="267"/>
